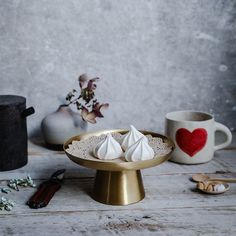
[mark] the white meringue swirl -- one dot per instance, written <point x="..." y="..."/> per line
<point x="132" y="137"/>
<point x="108" y="149"/>
<point x="139" y="151"/>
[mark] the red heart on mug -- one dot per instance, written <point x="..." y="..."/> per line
<point x="191" y="142"/>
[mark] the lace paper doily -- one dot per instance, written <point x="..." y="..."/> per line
<point x="84" y="148"/>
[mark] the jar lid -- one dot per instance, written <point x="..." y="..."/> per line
<point x="11" y="100"/>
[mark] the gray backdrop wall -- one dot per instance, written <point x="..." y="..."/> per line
<point x="154" y="56"/>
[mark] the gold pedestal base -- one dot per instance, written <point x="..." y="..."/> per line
<point x="118" y="187"/>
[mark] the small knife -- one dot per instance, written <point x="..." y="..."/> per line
<point x="46" y="190"/>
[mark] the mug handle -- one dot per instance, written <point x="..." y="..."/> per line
<point x="227" y="132"/>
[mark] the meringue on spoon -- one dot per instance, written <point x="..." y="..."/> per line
<point x="210" y="185"/>
<point x="108" y="149"/>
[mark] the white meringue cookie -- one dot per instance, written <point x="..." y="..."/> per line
<point x="108" y="149"/>
<point x="132" y="137"/>
<point x="219" y="188"/>
<point x="139" y="151"/>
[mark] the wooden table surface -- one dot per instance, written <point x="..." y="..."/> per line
<point x="172" y="206"/>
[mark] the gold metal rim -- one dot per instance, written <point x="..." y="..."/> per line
<point x="113" y="166"/>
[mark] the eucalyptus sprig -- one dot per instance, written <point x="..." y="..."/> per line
<point x="6" y="204"/>
<point x="5" y="190"/>
<point x="14" y="183"/>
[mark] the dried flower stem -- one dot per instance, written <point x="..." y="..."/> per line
<point x="86" y="102"/>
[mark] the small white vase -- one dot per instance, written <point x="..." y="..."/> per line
<point x="61" y="125"/>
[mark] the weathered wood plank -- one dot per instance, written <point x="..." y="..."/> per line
<point x="186" y="221"/>
<point x="162" y="192"/>
<point x="41" y="167"/>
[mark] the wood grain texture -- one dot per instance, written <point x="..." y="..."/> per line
<point x="162" y="192"/>
<point x="172" y="206"/>
<point x="185" y="221"/>
<point x="224" y="161"/>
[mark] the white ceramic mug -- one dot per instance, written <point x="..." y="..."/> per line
<point x="194" y="136"/>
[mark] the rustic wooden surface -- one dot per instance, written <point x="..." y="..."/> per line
<point x="172" y="205"/>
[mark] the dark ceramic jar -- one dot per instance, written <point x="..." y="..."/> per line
<point x="13" y="131"/>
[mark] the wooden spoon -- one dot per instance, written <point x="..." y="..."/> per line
<point x="207" y="187"/>
<point x="203" y="178"/>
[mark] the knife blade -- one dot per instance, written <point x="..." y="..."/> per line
<point x="46" y="190"/>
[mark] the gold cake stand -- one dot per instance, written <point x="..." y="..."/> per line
<point x="117" y="182"/>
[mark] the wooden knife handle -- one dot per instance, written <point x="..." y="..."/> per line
<point x="44" y="194"/>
